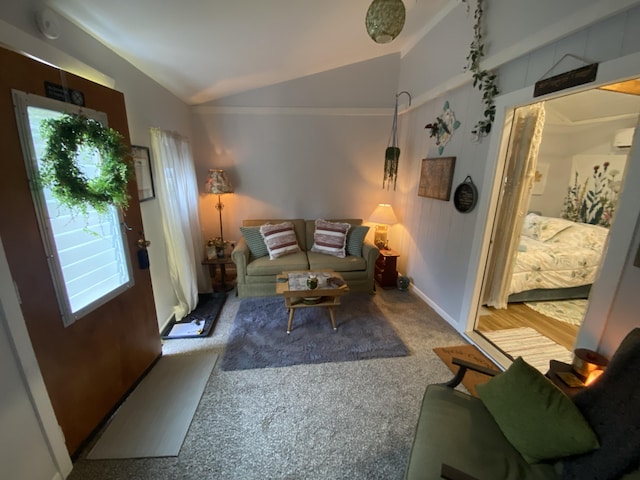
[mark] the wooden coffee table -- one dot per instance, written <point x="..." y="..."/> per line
<point x="292" y="286"/>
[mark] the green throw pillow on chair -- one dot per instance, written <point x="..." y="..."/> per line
<point x="540" y="421"/>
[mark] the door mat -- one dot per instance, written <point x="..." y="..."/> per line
<point x="153" y="421"/>
<point x="470" y="353"/>
<point x="200" y="321"/>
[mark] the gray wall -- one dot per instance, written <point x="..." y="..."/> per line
<point x="314" y="147"/>
<point x="438" y="242"/>
<point x="309" y="148"/>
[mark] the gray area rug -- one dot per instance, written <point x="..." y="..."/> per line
<point x="338" y="421"/>
<point x="259" y="338"/>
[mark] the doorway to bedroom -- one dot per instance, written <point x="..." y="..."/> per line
<point x="564" y="169"/>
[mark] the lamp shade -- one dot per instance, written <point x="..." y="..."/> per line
<point x="217" y="182"/>
<point x="384" y="215"/>
<point x="385" y="19"/>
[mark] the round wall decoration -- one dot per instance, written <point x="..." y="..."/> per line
<point x="466" y="196"/>
<point x="68" y="182"/>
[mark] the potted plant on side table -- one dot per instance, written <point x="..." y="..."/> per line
<point x="216" y="248"/>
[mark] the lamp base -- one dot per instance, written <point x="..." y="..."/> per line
<point x="380" y="237"/>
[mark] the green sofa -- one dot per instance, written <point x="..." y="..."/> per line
<point x="256" y="277"/>
<point x="458" y="438"/>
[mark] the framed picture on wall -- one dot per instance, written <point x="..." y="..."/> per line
<point x="436" y="178"/>
<point x="144" y="177"/>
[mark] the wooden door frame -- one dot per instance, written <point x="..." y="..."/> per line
<point x="18" y="335"/>
<point x="621" y="235"/>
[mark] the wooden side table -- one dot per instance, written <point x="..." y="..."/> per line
<point x="222" y="263"/>
<point x="386" y="273"/>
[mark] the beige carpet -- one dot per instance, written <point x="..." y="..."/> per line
<point x="469" y="353"/>
<point x="154" y="420"/>
<point x="532" y="346"/>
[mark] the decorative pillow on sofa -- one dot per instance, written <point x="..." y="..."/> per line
<point x="355" y="239"/>
<point x="255" y="242"/>
<point x="330" y="238"/>
<point x="280" y="239"/>
<point x="540" y="421"/>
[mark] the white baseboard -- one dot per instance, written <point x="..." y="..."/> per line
<point x="449" y="319"/>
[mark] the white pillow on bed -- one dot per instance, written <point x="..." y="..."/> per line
<point x="542" y="228"/>
<point x="583" y="235"/>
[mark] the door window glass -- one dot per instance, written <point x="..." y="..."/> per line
<point x="87" y="254"/>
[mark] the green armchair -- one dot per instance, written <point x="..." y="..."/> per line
<point x="460" y="437"/>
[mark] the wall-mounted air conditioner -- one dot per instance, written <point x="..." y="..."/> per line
<point x="623" y="138"/>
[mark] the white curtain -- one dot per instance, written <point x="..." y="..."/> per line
<point x="177" y="192"/>
<point x="520" y="168"/>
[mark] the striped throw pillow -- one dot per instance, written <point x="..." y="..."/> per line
<point x="355" y="239"/>
<point x="330" y="238"/>
<point x="280" y="239"/>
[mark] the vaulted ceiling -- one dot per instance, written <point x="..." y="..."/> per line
<point x="202" y="50"/>
<point x="206" y="49"/>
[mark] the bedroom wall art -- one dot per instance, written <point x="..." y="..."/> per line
<point x="436" y="178"/>
<point x="592" y="197"/>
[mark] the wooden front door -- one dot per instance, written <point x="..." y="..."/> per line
<point x="90" y="365"/>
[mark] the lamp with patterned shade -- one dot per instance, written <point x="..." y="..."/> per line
<point x="218" y="184"/>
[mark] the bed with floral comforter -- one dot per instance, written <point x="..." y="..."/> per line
<point x="556" y="257"/>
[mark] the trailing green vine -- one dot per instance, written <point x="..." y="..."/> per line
<point x="61" y="173"/>
<point x="484" y="80"/>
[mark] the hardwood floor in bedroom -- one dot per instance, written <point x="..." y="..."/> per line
<point x="519" y="315"/>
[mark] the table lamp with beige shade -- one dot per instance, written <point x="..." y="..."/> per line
<point x="382" y="216"/>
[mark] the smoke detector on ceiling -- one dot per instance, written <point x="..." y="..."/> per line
<point x="47" y="22"/>
<point x="623" y="138"/>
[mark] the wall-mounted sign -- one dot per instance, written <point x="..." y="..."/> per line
<point x="466" y="196"/>
<point x="64" y="94"/>
<point x="572" y="78"/>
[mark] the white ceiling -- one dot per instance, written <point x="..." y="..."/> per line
<point x="206" y="49"/>
<point x="591" y="106"/>
<point x="202" y="50"/>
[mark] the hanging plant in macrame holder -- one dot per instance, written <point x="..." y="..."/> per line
<point x="61" y="172"/>
<point x="392" y="153"/>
